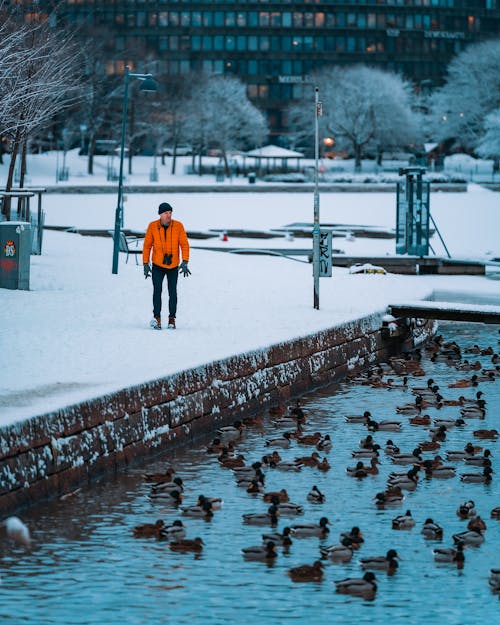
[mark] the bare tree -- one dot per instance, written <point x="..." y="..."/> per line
<point x="471" y="92"/>
<point x="40" y="82"/>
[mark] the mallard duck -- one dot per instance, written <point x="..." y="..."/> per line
<point x="491" y="434"/>
<point x="412" y="409"/>
<point x="305" y="530"/>
<point x="247" y="471"/>
<point x="307" y="572"/>
<point x="253" y="421"/>
<point x="282" y="539"/>
<point x="280" y="495"/>
<point x="469" y="537"/>
<point x="232" y="463"/>
<point x="441" y="473"/>
<point x="260" y="552"/>
<point x="423" y="419"/>
<point x="309" y="461"/>
<point x="403" y="522"/>
<point x="408" y="481"/>
<point x="286" y="466"/>
<point x="358" y="471"/>
<point x="388" y="563"/>
<point x="338" y="553"/>
<point x="215" y="503"/>
<point x="418" y="390"/>
<point x="476" y="524"/>
<point x="280" y="441"/>
<point x="390" y="498"/>
<point x="309" y="439"/>
<point x="174" y="532"/>
<point x="466" y="510"/>
<point x="455" y="556"/>
<point x="355" y="536"/>
<point x="479" y="461"/>
<point x="431" y="530"/>
<point x="474" y="412"/>
<point x="315" y="495"/>
<point x="185" y="545"/>
<point x="289" y="509"/>
<point x="390" y="448"/>
<point x="166" y="476"/>
<point x="199" y="512"/>
<point x="17" y="530"/>
<point x="245" y="480"/>
<point x="170" y="497"/>
<point x="358" y="418"/>
<point x="324" y="444"/>
<point x="324" y="465"/>
<point x="367" y="442"/>
<point x="366" y="453"/>
<point x="149" y="530"/>
<point x="175" y="484"/>
<point x="384" y="426"/>
<point x="231" y="432"/>
<point x="403" y="459"/>
<point x="495" y="513"/>
<point x="268" y="518"/>
<point x="360" y="587"/>
<point x="464" y="383"/>
<point x="478" y="478"/>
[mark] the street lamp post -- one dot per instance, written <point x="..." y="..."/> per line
<point x="147" y="84"/>
<point x="316" y="248"/>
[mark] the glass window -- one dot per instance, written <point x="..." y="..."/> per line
<point x="207" y="42"/>
<point x="276" y="43"/>
<point x="340" y="20"/>
<point x="371" y="20"/>
<point x="173" y="18"/>
<point x="173" y="42"/>
<point x="196" y="18"/>
<point x="252" y="43"/>
<point x="286" y="43"/>
<point x="218" y="66"/>
<point x="264" y="42"/>
<point x="362" y="20"/>
<point x="230" y="42"/>
<point x="252" y="91"/>
<point x="163" y="18"/>
<point x="286" y="67"/>
<point x="297" y="67"/>
<point x="152" y="19"/>
<point x="330" y="20"/>
<point x="218" y="42"/>
<point x="241" y="19"/>
<point x="297" y="20"/>
<point x="141" y="18"/>
<point x="218" y="18"/>
<point x="230" y="18"/>
<point x="241" y="42"/>
<point x="309" y="20"/>
<point x="208" y="18"/>
<point x="286" y="19"/>
<point x="196" y="42"/>
<point x="253" y="19"/>
<point x="409" y="21"/>
<point x="340" y="44"/>
<point x="297" y="43"/>
<point x="252" y="67"/>
<point x="351" y="19"/>
<point x="351" y="44"/>
<point x="319" y="19"/>
<point x="163" y="43"/>
<point x="185" y="18"/>
<point x="263" y="18"/>
<point x="275" y="19"/>
<point x="308" y="45"/>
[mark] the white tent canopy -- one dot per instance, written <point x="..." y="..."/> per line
<point x="273" y="158"/>
<point x="273" y="151"/>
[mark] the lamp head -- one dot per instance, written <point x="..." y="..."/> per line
<point x="148" y="84"/>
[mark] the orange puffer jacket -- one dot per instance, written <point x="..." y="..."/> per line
<point x="165" y="243"/>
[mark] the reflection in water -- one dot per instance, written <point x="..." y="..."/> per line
<point x="85" y="566"/>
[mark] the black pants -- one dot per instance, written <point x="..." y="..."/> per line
<point x="158" y="274"/>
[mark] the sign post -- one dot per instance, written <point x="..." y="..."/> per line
<point x="316" y="234"/>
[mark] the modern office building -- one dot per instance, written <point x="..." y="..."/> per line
<point x="272" y="45"/>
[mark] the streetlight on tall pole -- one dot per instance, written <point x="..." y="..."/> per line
<point x="147" y="84"/>
<point x="318" y="111"/>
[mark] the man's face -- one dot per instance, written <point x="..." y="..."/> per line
<point x="166" y="218"/>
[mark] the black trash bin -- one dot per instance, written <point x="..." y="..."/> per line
<point x="251" y="177"/>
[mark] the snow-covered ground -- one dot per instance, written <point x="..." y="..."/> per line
<point x="81" y="331"/>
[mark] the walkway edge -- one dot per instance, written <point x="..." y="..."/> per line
<point x="51" y="454"/>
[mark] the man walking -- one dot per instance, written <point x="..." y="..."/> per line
<point x="164" y="237"/>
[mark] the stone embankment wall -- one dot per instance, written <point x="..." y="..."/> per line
<point x="49" y="455"/>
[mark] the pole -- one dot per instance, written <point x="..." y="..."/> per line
<point x="119" y="204"/>
<point x="317" y="113"/>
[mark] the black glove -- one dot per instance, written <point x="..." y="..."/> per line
<point x="184" y="269"/>
<point x="147" y="270"/>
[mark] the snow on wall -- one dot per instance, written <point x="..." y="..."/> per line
<point x="49" y="455"/>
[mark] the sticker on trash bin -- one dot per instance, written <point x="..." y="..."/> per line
<point x="10" y="248"/>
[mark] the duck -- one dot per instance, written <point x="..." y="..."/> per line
<point x="388" y="563"/>
<point x="390" y="498"/>
<point x="478" y="478"/>
<point x="286" y="466"/>
<point x="390" y="448"/>
<point x="432" y="530"/>
<point x="474" y="412"/>
<point x="253" y="421"/>
<point x="464" y="383"/>
<point x="165" y="476"/>
<point x="384" y="426"/>
<point x="174" y="532"/>
<point x="254" y="488"/>
<point x="358" y="471"/>
<point x="477" y="524"/>
<point x="185" y="545"/>
<point x="310" y="439"/>
<point x="17" y="530"/>
<point x="265" y="552"/>
<point x="418" y="390"/>
<point x="149" y="530"/>
<point x="366" y="453"/>
<point x="175" y="484"/>
<point x="315" y="495"/>
<point x="420" y="420"/>
<point x="281" y="496"/>
<point x="247" y="471"/>
<point x="360" y="587"/>
<point x="282" y="441"/>
<point x="288" y="508"/>
<point x="408" y="481"/>
<point x="214" y="502"/>
<point x="429" y="446"/>
<point x="442" y="472"/>
<point x="170" y="497"/>
<point x="403" y="459"/>
<point x="325" y="443"/>
<point x="473" y="402"/>
<point x="232" y="463"/>
<point x="479" y="460"/>
<point x="403" y="522"/>
<point x="268" y="518"/>
<point x="355" y="536"/>
<point x="305" y="530"/>
<point x="358" y="418"/>
<point x="324" y="465"/>
<point x="367" y="442"/>
<point x="307" y="572"/>
<point x="469" y="537"/>
<point x="412" y="409"/>
<point x="309" y="461"/>
<point x="231" y="432"/>
<point x="450" y="554"/>
<point x="495" y="513"/>
<point x="467" y="510"/>
<point x="338" y="553"/>
<point x="199" y="512"/>
<point x="282" y="539"/>
<point x="490" y="434"/>
<point x="447" y="422"/>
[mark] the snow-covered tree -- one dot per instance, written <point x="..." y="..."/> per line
<point x="471" y="92"/>
<point x="362" y="108"/>
<point x="489" y="144"/>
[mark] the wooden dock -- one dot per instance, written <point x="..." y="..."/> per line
<point x="446" y="311"/>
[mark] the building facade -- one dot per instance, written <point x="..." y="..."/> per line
<point x="272" y="45"/>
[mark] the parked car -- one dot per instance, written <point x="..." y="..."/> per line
<point x="181" y="150"/>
